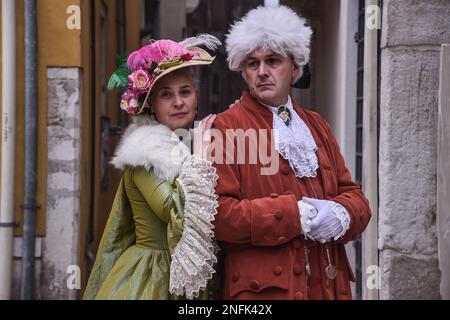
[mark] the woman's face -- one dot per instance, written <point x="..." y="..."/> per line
<point x="174" y="100"/>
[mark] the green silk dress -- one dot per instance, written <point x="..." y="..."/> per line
<point x="142" y="270"/>
<point x="147" y="221"/>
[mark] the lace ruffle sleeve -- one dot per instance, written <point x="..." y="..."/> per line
<point x="194" y="256"/>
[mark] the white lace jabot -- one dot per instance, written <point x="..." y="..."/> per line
<point x="295" y="143"/>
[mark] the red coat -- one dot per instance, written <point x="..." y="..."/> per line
<point x="258" y="222"/>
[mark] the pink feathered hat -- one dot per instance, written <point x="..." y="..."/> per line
<point x="138" y="74"/>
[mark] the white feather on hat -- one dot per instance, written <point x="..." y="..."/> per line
<point x="277" y="28"/>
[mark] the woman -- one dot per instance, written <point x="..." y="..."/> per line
<point x="157" y="243"/>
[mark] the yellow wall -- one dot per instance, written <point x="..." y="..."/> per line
<point x="1" y="86"/>
<point x="133" y="24"/>
<point x="20" y="103"/>
<point x="57" y="47"/>
<point x="60" y="47"/>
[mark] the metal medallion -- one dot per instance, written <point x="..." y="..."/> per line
<point x="331" y="271"/>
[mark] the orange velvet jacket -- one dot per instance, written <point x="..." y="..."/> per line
<point x="258" y="222"/>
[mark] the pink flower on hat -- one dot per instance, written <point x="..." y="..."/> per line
<point x="130" y="102"/>
<point x="157" y="71"/>
<point x="139" y="81"/>
<point x="187" y="56"/>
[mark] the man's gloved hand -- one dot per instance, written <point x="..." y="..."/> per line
<point x="307" y="215"/>
<point x="325" y="225"/>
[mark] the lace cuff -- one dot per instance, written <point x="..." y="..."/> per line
<point x="307" y="214"/>
<point x="194" y="255"/>
<point x="344" y="217"/>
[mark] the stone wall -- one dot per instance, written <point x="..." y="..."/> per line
<point x="58" y="250"/>
<point x="61" y="242"/>
<point x="443" y="214"/>
<point x="412" y="33"/>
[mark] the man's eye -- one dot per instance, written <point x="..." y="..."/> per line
<point x="272" y="61"/>
<point x="252" y="64"/>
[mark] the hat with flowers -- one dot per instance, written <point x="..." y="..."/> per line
<point x="138" y="73"/>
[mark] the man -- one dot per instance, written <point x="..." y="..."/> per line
<point x="282" y="233"/>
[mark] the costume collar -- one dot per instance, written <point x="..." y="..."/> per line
<point x="150" y="144"/>
<point x="252" y="105"/>
<point x="274" y="109"/>
<point x="299" y="149"/>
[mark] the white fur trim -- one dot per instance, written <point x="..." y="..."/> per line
<point x="277" y="28"/>
<point x="149" y="144"/>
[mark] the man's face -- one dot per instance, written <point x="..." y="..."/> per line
<point x="269" y="76"/>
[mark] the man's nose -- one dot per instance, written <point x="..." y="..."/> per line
<point x="262" y="70"/>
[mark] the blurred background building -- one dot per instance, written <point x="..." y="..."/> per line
<point x="379" y="75"/>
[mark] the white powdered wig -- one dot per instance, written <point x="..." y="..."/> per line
<point x="277" y="28"/>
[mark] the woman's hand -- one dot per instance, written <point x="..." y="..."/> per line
<point x="202" y="137"/>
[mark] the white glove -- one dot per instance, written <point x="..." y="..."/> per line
<point x="326" y="225"/>
<point x="307" y="214"/>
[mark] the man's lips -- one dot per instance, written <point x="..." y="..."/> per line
<point x="264" y="85"/>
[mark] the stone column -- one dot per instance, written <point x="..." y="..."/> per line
<point x="443" y="173"/>
<point x="370" y="262"/>
<point x="412" y="33"/>
<point x="60" y="252"/>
